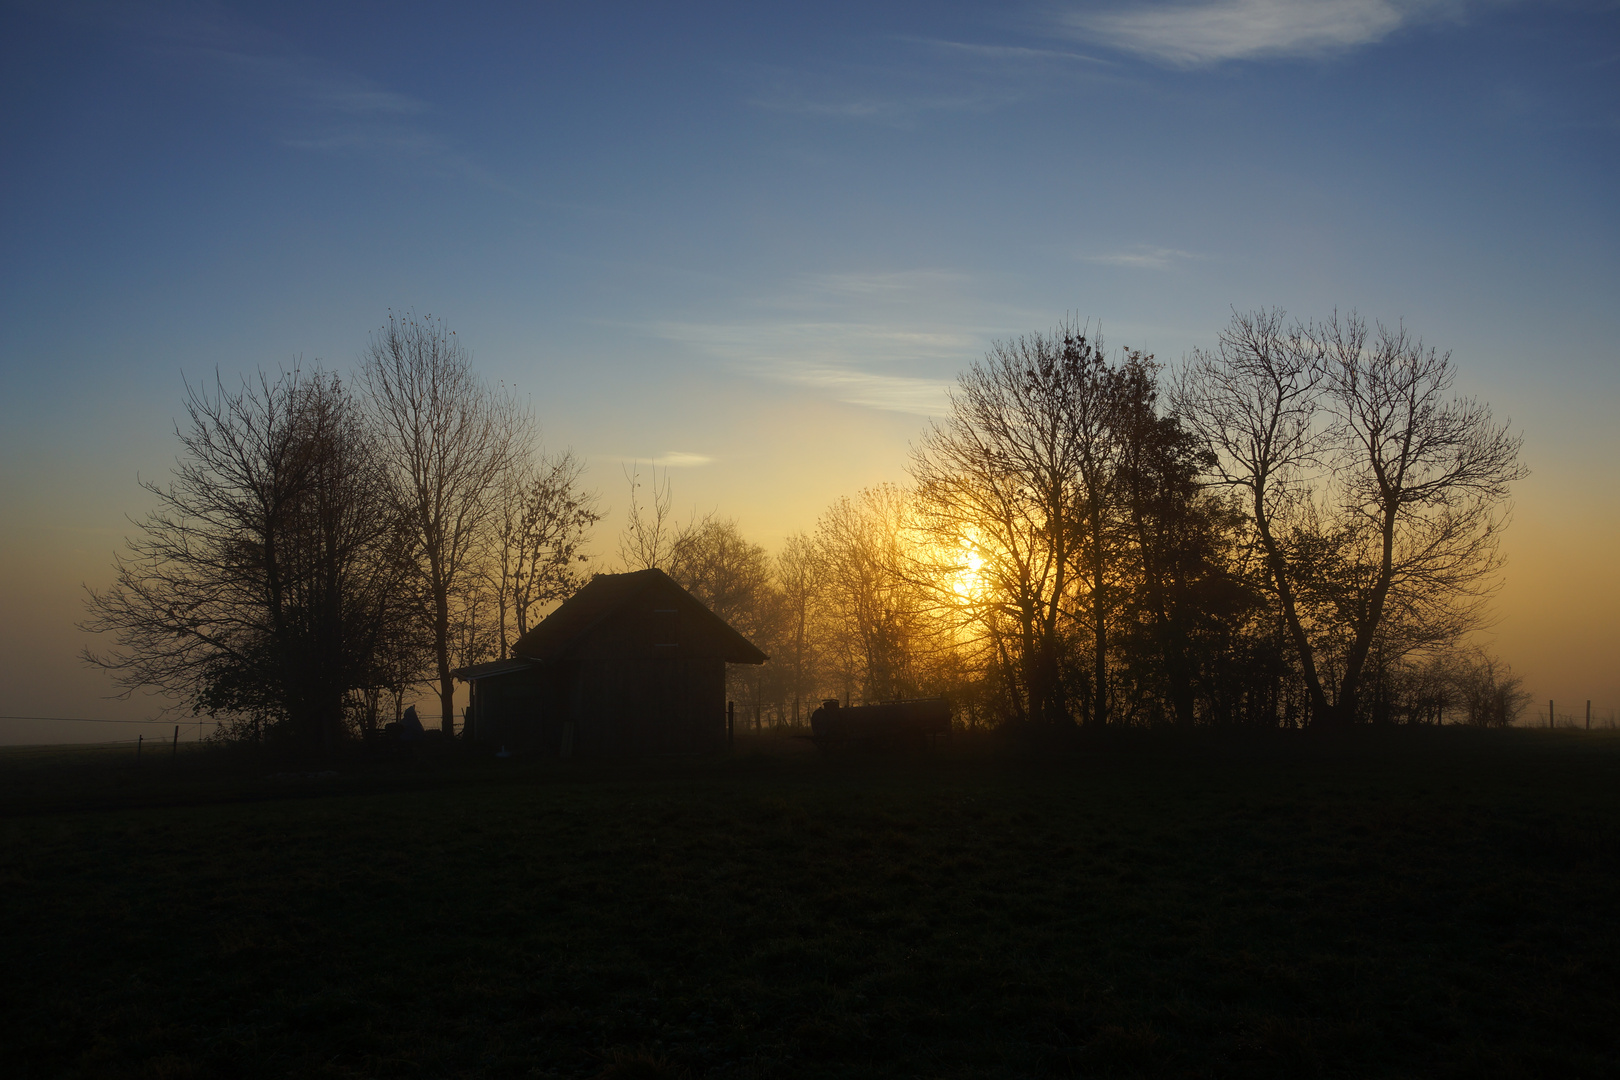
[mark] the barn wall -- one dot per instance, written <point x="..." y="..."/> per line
<point x="642" y="685"/>
<point x="647" y="680"/>
<point x="648" y="705"/>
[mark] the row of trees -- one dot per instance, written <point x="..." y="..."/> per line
<point x="1298" y="526"/>
<point x="323" y="548"/>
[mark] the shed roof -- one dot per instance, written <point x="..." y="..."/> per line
<point x="493" y="667"/>
<point x="604" y="596"/>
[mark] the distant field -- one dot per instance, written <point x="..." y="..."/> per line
<point x="1391" y="903"/>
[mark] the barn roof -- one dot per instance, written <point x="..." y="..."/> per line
<point x="604" y="596"/>
<point x="493" y="667"/>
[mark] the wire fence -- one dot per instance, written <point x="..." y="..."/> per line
<point x="167" y="729"/>
<point x="1588" y="720"/>
<point x="192" y="730"/>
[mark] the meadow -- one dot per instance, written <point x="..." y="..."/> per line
<point x="1395" y="902"/>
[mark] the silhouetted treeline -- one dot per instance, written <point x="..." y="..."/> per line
<point x="1296" y="527"/>
<point x="323" y="549"/>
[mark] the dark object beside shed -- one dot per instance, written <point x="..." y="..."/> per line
<point x="630" y="664"/>
<point x="895" y="725"/>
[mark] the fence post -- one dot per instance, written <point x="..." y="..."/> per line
<point x="1588" y="715"/>
<point x="1550" y="722"/>
<point x="139" y="739"/>
<point x="176" y="748"/>
<point x="731" y="723"/>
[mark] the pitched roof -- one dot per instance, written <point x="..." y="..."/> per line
<point x="604" y="596"/>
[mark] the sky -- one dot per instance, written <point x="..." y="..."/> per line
<point x="755" y="243"/>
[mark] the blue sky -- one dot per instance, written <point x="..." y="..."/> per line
<point x="757" y="241"/>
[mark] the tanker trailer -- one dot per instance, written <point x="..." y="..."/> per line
<point x="894" y="725"/>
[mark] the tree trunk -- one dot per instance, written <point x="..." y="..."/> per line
<point x="441" y="650"/>
<point x="1320" y="711"/>
<point x="1349" y="699"/>
<point x="1099" y="626"/>
<point x="447" y="702"/>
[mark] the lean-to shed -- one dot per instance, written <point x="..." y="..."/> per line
<point x="630" y="664"/>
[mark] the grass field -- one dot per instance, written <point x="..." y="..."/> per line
<point x="1386" y="903"/>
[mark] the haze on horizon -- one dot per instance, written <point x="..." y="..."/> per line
<point x="755" y="245"/>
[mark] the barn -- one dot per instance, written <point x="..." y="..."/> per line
<point x="630" y="664"/>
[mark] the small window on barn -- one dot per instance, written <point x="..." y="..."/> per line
<point x="665" y="628"/>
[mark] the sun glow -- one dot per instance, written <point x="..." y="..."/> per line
<point x="968" y="582"/>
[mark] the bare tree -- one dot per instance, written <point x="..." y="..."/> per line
<point x="731" y="575"/>
<point x="404" y="654"/>
<point x="1256" y="403"/>
<point x="650" y="532"/>
<point x="874" y="611"/>
<point x="1423" y="481"/>
<point x="1490" y="694"/>
<point x="504" y="570"/>
<point x="545" y="521"/>
<point x="1095" y="431"/>
<point x="1015" y="487"/>
<point x="449" y="439"/>
<point x="1377" y="496"/>
<point x="798" y="579"/>
<point x="266" y="584"/>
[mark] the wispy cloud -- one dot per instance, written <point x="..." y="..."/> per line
<point x="873" y="390"/>
<point x="902" y="79"/>
<point x="903" y="285"/>
<point x="892" y="340"/>
<point x="1142" y="258"/>
<point x="879" y="339"/>
<point x="882" y="106"/>
<point x="681" y="459"/>
<point x="307" y="82"/>
<point x="322" y="107"/>
<point x="310" y="103"/>
<point x="1008" y="54"/>
<point x="852" y="362"/>
<point x="1200" y="32"/>
<point x="669" y="459"/>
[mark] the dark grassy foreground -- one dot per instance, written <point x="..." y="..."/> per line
<point x="1402" y="903"/>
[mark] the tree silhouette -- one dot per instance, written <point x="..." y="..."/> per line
<point x="1376" y="495"/>
<point x="448" y="439"/>
<point x="269" y="582"/>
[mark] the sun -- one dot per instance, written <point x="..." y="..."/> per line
<point x="968" y="582"/>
